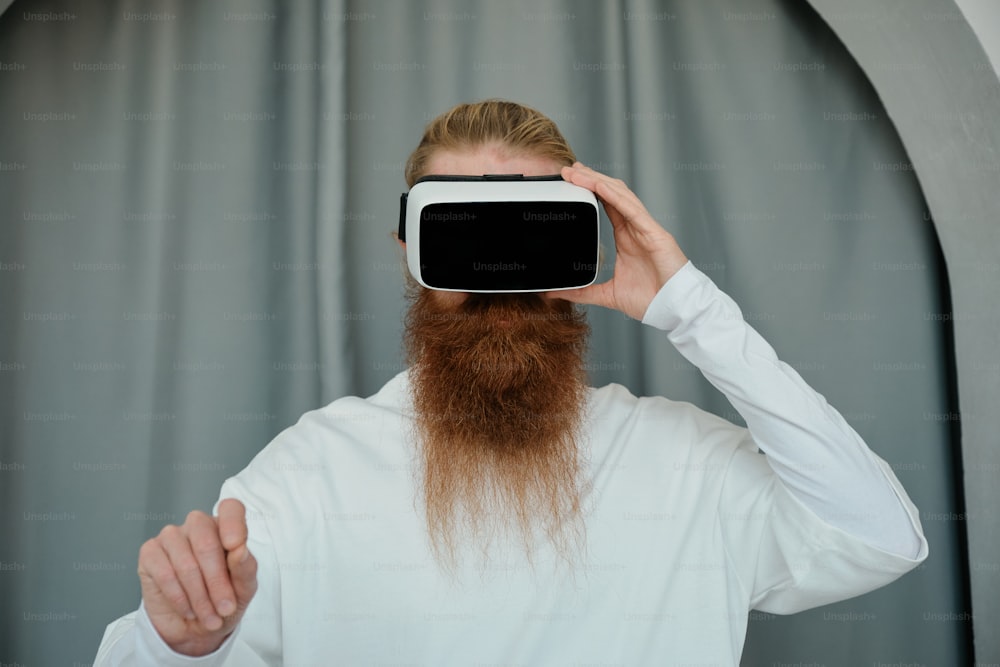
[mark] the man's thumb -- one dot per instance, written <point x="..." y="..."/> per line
<point x="242" y="572"/>
<point x="593" y="295"/>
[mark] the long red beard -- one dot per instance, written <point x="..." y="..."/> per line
<point x="499" y="388"/>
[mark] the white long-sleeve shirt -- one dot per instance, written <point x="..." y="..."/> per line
<point x="688" y="527"/>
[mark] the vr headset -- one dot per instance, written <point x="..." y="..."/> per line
<point x="500" y="233"/>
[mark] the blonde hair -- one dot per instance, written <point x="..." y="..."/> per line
<point x="516" y="127"/>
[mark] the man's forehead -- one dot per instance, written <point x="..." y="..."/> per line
<point x="489" y="160"/>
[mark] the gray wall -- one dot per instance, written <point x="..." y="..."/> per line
<point x="941" y="91"/>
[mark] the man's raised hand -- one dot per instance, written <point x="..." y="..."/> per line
<point x="198" y="578"/>
<point x="647" y="255"/>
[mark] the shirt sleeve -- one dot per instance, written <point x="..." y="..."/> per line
<point x="132" y="641"/>
<point x="822" y="464"/>
<point x="785" y="558"/>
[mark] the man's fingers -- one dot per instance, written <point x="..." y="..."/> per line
<point x="203" y="533"/>
<point x="232" y="520"/>
<point x="158" y="577"/>
<point x="188" y="568"/>
<point x="617" y="197"/>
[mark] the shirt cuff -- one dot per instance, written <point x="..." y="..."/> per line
<point x="666" y="310"/>
<point x="150" y="648"/>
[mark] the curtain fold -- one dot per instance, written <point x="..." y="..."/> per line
<point x="198" y="204"/>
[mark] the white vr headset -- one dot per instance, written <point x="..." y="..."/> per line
<point x="500" y="233"/>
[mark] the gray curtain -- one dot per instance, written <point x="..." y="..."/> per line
<point x="197" y="203"/>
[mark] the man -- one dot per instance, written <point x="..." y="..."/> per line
<point x="487" y="507"/>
